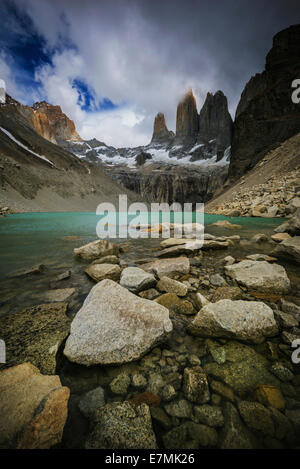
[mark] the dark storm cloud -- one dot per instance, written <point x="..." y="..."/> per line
<point x="143" y="55"/>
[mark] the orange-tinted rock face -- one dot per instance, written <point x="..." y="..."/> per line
<point x="187" y="117"/>
<point x="50" y="122"/>
<point x="160" y="129"/>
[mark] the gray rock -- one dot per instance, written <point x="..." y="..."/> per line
<point x="181" y="409"/>
<point x="289" y="248"/>
<point x="250" y="321"/>
<point x="96" y="249"/>
<point x="122" y="426"/>
<point x="282" y="372"/>
<point x="209" y="415"/>
<point x="139" y="381"/>
<point x="235" y="435"/>
<point x="91" y="401"/>
<point x="169" y="285"/>
<point x="217" y="280"/>
<point x="115" y="326"/>
<point x="136" y="280"/>
<point x="120" y="384"/>
<point x="168" y="267"/>
<point x="260" y="276"/>
<point x="257" y="417"/>
<point x="99" y="272"/>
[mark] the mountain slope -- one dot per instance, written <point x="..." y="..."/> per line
<point x="36" y="174"/>
<point x="267" y="189"/>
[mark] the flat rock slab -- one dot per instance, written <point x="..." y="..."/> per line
<point x="260" y="276"/>
<point x="60" y="294"/>
<point x="99" y="272"/>
<point x="114" y="326"/>
<point x="35" y="334"/>
<point x="33" y="408"/>
<point x="249" y="321"/>
<point x="243" y="370"/>
<point x="170" y="285"/>
<point x="96" y="249"/>
<point x="120" y="425"/>
<point x="136" y="279"/>
<point x="168" y="267"/>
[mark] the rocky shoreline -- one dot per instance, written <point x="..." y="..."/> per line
<point x="189" y="348"/>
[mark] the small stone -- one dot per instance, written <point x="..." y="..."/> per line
<point x="169" y="285"/>
<point x="160" y="416"/>
<point x="195" y="385"/>
<point x="120" y="384"/>
<point x="194" y="360"/>
<point x="270" y="396"/>
<point x="219" y="354"/>
<point x="257" y="417"/>
<point x="282" y="372"/>
<point x="136" y="279"/>
<point x="217" y="280"/>
<point x="100" y="272"/>
<point x="139" y="381"/>
<point x="150" y="294"/>
<point x="209" y="415"/>
<point x="223" y="390"/>
<point x="91" y="401"/>
<point x="201" y="300"/>
<point x="168" y="393"/>
<point x="181" y="409"/>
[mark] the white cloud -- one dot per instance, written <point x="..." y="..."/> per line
<point x="132" y="53"/>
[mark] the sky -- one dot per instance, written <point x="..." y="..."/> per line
<point x="113" y="65"/>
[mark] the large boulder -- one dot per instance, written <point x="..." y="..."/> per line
<point x="289" y="249"/>
<point x="33" y="408"/>
<point x="250" y="321"/>
<point x="136" y="280"/>
<point x="115" y="326"/>
<point x="120" y="425"/>
<point x="168" y="267"/>
<point x="260" y="276"/>
<point x="99" y="272"/>
<point x="36" y="334"/>
<point x="95" y="249"/>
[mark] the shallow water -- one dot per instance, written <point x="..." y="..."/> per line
<point x="49" y="238"/>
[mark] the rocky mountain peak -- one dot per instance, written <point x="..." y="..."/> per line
<point x="215" y="122"/>
<point x="160" y="129"/>
<point x="50" y="122"/>
<point x="187" y="124"/>
<point x="266" y="115"/>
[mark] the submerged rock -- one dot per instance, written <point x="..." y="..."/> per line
<point x="33" y="408"/>
<point x="120" y="425"/>
<point x="36" y="335"/>
<point x="260" y="276"/>
<point x="250" y="321"/>
<point x="115" y="326"/>
<point x="91" y="401"/>
<point x="195" y="385"/>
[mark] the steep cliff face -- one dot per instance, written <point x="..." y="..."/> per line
<point x="215" y="122"/>
<point x="169" y="183"/>
<point x="187" y="124"/>
<point x="47" y="120"/>
<point x="266" y="115"/>
<point x="51" y="123"/>
<point x="160" y="129"/>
